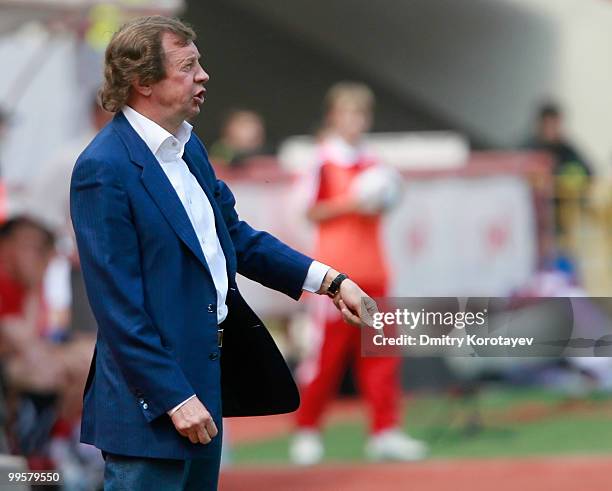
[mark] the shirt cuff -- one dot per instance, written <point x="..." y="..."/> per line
<point x="316" y="275"/>
<point x="178" y="406"/>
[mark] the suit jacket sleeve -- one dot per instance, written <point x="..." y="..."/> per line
<point x="110" y="260"/>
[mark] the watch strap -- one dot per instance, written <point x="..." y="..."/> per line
<point x="334" y="287"/>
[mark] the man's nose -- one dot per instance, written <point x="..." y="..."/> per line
<point x="202" y="76"/>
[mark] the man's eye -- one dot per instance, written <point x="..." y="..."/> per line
<point x="188" y="67"/>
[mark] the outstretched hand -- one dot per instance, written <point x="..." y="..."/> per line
<point x="356" y="306"/>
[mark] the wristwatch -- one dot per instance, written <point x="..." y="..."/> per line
<point x="334" y="287"/>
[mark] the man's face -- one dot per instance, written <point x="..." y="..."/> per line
<point x="180" y="94"/>
<point x="245" y="132"/>
<point x="550" y="129"/>
<point x="350" y="120"/>
<point x="29" y="252"/>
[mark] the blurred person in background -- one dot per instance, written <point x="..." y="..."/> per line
<point x="571" y="174"/>
<point x="550" y="136"/>
<point x="44" y="377"/>
<point x="25" y="249"/>
<point x="348" y="211"/>
<point x="48" y="197"/>
<point x="243" y="136"/>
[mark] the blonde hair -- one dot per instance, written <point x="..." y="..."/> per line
<point x="352" y="92"/>
<point x="135" y="53"/>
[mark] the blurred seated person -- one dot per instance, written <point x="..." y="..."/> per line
<point x="33" y="361"/>
<point x="243" y="136"/>
<point x="550" y="136"/>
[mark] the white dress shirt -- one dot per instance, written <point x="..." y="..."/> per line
<point x="168" y="149"/>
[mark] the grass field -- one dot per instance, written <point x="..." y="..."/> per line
<point x="497" y="423"/>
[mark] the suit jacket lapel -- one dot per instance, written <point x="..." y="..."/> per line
<point x="159" y="187"/>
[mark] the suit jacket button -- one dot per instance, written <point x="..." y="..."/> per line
<point x="141" y="401"/>
<point x="211" y="308"/>
<point x="145" y="406"/>
<point x="213" y="356"/>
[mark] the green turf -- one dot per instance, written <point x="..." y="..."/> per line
<point x="448" y="426"/>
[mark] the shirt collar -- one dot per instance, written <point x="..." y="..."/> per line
<point x="159" y="140"/>
<point x="338" y="150"/>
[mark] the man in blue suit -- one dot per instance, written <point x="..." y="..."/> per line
<point x="160" y="244"/>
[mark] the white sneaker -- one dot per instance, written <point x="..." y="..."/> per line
<point x="395" y="445"/>
<point x="306" y="448"/>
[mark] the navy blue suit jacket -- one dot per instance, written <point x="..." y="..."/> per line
<point x="154" y="300"/>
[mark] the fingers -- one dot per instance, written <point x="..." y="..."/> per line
<point x="202" y="435"/>
<point x="211" y="428"/>
<point x="206" y="432"/>
<point x="197" y="434"/>
<point x="336" y="301"/>
<point x="193" y="436"/>
<point x="194" y="422"/>
<point x="349" y="316"/>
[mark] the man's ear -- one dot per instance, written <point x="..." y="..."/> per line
<point x="142" y="89"/>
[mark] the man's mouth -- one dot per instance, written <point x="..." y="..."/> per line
<point x="200" y="96"/>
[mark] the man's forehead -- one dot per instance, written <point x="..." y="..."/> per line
<point x="174" y="47"/>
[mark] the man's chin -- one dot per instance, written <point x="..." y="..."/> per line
<point x="193" y="112"/>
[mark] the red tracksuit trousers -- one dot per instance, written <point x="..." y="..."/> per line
<point x="378" y="378"/>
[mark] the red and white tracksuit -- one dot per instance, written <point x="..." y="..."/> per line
<point x="350" y="243"/>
